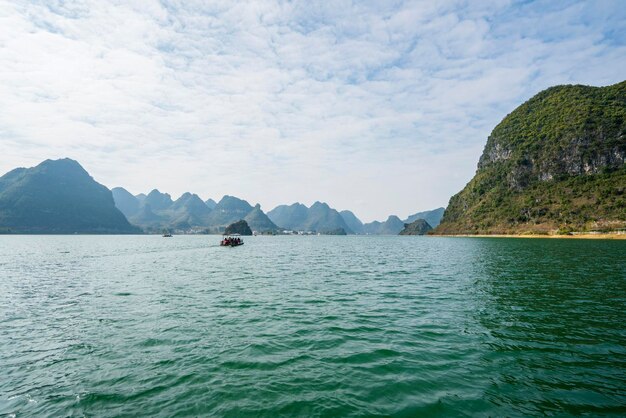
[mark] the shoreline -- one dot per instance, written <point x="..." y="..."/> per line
<point x="612" y="236"/>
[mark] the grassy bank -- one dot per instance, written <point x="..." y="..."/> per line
<point x="558" y="236"/>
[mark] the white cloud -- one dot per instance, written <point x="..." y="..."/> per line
<point x="375" y="107"/>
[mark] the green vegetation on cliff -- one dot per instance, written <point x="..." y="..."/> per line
<point x="555" y="163"/>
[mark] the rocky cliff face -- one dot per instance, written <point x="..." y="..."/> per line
<point x="556" y="161"/>
<point x="562" y="131"/>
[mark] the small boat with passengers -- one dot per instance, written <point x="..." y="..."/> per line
<point x="231" y="240"/>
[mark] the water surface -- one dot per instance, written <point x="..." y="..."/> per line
<point x="311" y="326"/>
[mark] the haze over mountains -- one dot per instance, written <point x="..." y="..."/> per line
<point x="157" y="211"/>
<point x="557" y="161"/>
<point x="321" y="217"/>
<point x="59" y="196"/>
<point x="298" y="217"/>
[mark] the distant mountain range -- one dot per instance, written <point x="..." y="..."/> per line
<point x="318" y="218"/>
<point x="322" y="218"/>
<point x="157" y="211"/>
<point x="61" y="197"/>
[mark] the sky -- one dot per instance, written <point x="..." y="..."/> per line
<point x="379" y="107"/>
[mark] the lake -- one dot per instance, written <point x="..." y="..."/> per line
<point x="311" y="326"/>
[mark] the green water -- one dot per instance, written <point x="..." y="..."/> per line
<point x="311" y="326"/>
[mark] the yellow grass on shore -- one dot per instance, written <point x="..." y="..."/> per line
<point x="579" y="235"/>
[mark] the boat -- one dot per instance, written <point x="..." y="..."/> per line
<point x="231" y="240"/>
<point x="167" y="235"/>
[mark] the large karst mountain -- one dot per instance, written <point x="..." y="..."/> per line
<point x="58" y="196"/>
<point x="291" y="217"/>
<point x="556" y="163"/>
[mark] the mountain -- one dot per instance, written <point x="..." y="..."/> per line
<point x="157" y="200"/>
<point x="188" y="211"/>
<point x="322" y="218"/>
<point x="147" y="219"/>
<point x="433" y="217"/>
<point x="128" y="204"/>
<point x="259" y="221"/>
<point x="289" y="217"/>
<point x="228" y="210"/>
<point x="352" y="221"/>
<point x="9" y="178"/>
<point x="319" y="218"/>
<point x="556" y="163"/>
<point x="58" y="196"/>
<point x="417" y="227"/>
<point x="392" y="226"/>
<point x="157" y="211"/>
<point x="210" y="203"/>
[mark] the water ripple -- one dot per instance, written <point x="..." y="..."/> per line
<point x="311" y="326"/>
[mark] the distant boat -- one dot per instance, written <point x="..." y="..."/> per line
<point x="167" y="234"/>
<point x="231" y="240"/>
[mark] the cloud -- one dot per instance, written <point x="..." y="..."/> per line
<point x="377" y="107"/>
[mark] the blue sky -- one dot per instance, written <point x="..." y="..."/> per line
<point x="378" y="107"/>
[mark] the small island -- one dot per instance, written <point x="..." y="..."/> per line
<point x="240" y="227"/>
<point x="417" y="227"/>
